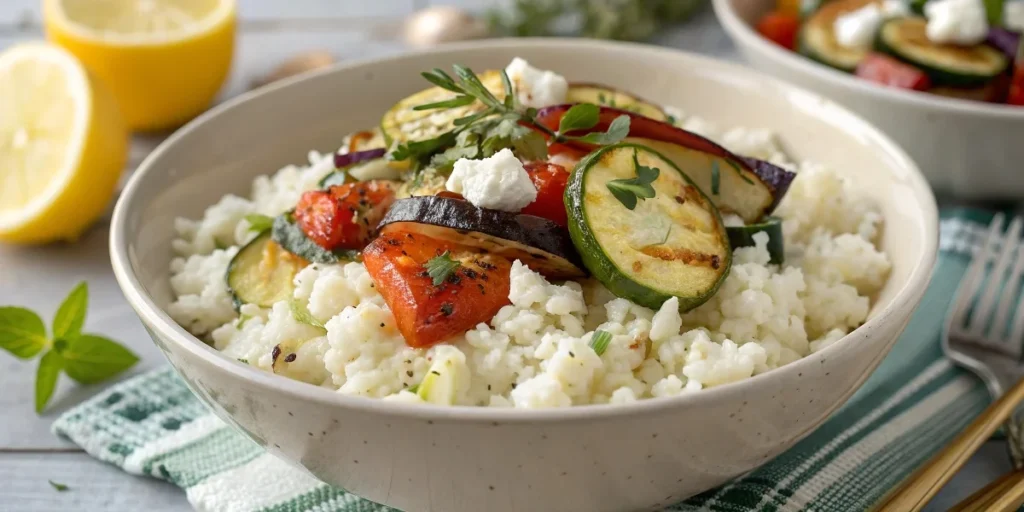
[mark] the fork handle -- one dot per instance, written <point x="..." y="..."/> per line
<point x="922" y="485"/>
<point x="1004" y="493"/>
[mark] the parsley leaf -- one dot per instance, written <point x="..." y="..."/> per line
<point x="580" y="116"/>
<point x="58" y="486"/>
<point x="599" y="341"/>
<point x="618" y="129"/>
<point x="440" y="268"/>
<point x="259" y="222"/>
<point x="629" y="190"/>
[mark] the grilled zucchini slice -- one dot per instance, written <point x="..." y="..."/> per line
<point x="743" y="236"/>
<point x="945" y="64"/>
<point x="402" y="123"/>
<point x="608" y="97"/>
<point x="671" y="244"/>
<point x="817" y="39"/>
<point x="261" y="273"/>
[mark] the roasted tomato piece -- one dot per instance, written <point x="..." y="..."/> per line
<point x="344" y="216"/>
<point x="886" y="70"/>
<point x="550" y="180"/>
<point x="780" y="28"/>
<point x="426" y="314"/>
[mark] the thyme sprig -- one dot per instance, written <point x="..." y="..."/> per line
<point x="502" y="122"/>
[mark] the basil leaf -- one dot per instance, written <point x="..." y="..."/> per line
<point x="22" y="332"/>
<point x="259" y="222"/>
<point x="90" y="358"/>
<point x="617" y="130"/>
<point x="46" y="378"/>
<point x="70" y="317"/>
<point x="579" y="117"/>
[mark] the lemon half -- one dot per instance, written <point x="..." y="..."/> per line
<point x="63" y="145"/>
<point x="164" y="60"/>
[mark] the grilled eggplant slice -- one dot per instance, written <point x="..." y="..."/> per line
<point x="670" y="244"/>
<point x="539" y="243"/>
<point x="729" y="180"/>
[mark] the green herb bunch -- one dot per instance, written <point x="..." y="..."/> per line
<point x="499" y="124"/>
<point x="627" y="20"/>
<point x="86" y="358"/>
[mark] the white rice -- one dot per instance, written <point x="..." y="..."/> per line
<point x="535" y="352"/>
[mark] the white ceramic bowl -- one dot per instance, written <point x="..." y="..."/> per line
<point x="967" y="149"/>
<point x="591" y="458"/>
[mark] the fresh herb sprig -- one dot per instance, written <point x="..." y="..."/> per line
<point x="440" y="268"/>
<point x="631" y="20"/>
<point x="86" y="358"/>
<point x="499" y="124"/>
<point x="629" y="190"/>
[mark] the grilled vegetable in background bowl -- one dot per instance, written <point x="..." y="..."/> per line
<point x="731" y="183"/>
<point x="946" y="65"/>
<point x="667" y="241"/>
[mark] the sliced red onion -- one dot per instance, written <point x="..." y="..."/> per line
<point x="359" y="156"/>
<point x="1004" y="40"/>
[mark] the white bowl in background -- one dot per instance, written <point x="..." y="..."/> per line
<point x="589" y="458"/>
<point x="967" y="149"/>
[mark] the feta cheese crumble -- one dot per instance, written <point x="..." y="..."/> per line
<point x="1013" y="15"/>
<point x="534" y="87"/>
<point x="956" y="21"/>
<point x="499" y="182"/>
<point x="857" y="29"/>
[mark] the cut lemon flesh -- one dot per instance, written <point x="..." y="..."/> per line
<point x="62" y="145"/>
<point x="164" y="60"/>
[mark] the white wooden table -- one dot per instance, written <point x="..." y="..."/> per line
<point x="270" y="31"/>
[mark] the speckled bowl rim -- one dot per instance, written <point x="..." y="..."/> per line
<point x="744" y="35"/>
<point x="163" y="326"/>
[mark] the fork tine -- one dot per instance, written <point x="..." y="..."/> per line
<point x="975" y="274"/>
<point x="982" y="316"/>
<point x="1011" y="291"/>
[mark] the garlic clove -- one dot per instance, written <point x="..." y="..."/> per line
<point x="301" y="63"/>
<point x="442" y="24"/>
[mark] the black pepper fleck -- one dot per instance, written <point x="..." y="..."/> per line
<point x="289" y="358"/>
<point x="447" y="309"/>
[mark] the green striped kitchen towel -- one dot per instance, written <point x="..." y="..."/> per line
<point x="914" y="403"/>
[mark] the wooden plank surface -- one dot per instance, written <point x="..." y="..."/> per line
<point x="271" y="30"/>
